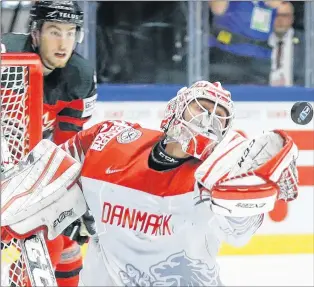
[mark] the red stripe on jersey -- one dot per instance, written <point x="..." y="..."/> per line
<point x="75" y="121"/>
<point x="77" y="105"/>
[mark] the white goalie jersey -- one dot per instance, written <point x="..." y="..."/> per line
<point x="159" y="228"/>
<point x="152" y="227"/>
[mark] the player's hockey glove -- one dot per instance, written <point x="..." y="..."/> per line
<point x="246" y="177"/>
<point x="82" y="229"/>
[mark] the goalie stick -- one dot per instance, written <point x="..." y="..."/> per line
<point x="38" y="263"/>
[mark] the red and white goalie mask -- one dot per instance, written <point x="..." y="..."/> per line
<point x="198" y="118"/>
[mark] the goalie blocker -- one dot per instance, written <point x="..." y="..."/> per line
<point x="41" y="193"/>
<point x="251" y="183"/>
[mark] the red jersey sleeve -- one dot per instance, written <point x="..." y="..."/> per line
<point x="78" y="145"/>
<point x="71" y="119"/>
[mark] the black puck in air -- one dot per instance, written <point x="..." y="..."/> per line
<point x="302" y="113"/>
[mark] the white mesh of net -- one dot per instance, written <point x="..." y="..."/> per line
<point x="13" y="269"/>
<point x="14" y="110"/>
<point x="14" y="126"/>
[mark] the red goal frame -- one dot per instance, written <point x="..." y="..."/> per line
<point x="35" y="90"/>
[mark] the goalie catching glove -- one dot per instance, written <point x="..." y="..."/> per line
<point x="251" y="183"/>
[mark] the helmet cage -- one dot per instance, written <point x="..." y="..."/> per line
<point x="203" y="131"/>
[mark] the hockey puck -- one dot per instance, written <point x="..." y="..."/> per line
<point x="302" y="113"/>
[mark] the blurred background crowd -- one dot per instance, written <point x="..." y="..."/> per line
<point x="236" y="42"/>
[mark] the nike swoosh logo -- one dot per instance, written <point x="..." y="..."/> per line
<point x="110" y="171"/>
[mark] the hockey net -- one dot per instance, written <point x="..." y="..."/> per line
<point x="21" y="128"/>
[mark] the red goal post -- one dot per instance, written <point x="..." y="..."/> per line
<point x="21" y="112"/>
<point x="21" y="101"/>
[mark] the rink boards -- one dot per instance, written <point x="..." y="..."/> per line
<point x="289" y="228"/>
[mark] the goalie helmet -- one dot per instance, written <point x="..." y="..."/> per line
<point x="58" y="11"/>
<point x="203" y="131"/>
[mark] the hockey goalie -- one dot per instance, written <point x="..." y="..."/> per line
<point x="162" y="202"/>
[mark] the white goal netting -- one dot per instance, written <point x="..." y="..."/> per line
<point x="14" y="109"/>
<point x="14" y="129"/>
<point x="13" y="269"/>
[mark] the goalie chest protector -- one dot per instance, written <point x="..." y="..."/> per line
<point x="123" y="160"/>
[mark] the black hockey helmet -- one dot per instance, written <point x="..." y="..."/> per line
<point x="57" y="11"/>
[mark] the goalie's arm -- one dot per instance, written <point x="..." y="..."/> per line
<point x="78" y="145"/>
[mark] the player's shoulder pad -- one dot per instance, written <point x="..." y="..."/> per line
<point x="14" y="42"/>
<point x="111" y="129"/>
<point x="84" y="76"/>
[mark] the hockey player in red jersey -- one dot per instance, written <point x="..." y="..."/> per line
<point x="69" y="96"/>
<point x="69" y="79"/>
<point x="164" y="201"/>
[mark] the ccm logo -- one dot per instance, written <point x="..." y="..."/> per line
<point x="246" y="153"/>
